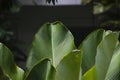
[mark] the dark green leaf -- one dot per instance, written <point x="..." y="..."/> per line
<point x="42" y="71"/>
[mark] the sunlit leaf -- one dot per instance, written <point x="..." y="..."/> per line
<point x="104" y="53"/>
<point x="90" y="74"/>
<point x="114" y="68"/>
<point x="52" y="41"/>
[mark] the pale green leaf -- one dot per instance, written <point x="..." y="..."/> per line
<point x="8" y="65"/>
<point x="69" y="67"/>
<point x="104" y="53"/>
<point x="114" y="68"/>
<point x="52" y="41"/>
<point x="88" y="48"/>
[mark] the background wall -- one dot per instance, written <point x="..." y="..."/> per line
<point x="79" y="19"/>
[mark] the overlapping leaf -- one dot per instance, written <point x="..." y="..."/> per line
<point x="105" y="52"/>
<point x="52" y="41"/>
<point x="69" y="67"/>
<point x="8" y="65"/>
<point x="89" y="48"/>
<point x="52" y="56"/>
<point x="43" y="70"/>
<point x="90" y="74"/>
<point x="114" y="68"/>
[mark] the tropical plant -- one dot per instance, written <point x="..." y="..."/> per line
<point x="54" y="56"/>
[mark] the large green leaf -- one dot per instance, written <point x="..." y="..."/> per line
<point x="69" y="67"/>
<point x="8" y="65"/>
<point x="104" y="53"/>
<point x="114" y="68"/>
<point x="52" y="41"/>
<point x="88" y="48"/>
<point x="90" y="74"/>
<point x="42" y="71"/>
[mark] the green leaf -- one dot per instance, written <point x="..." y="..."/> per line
<point x="52" y="41"/>
<point x="88" y="48"/>
<point x="84" y="2"/>
<point x="8" y="65"/>
<point x="90" y="74"/>
<point x="114" y="68"/>
<point x="42" y="71"/>
<point x="101" y="8"/>
<point x="98" y="8"/>
<point x="69" y="67"/>
<point x="104" y="53"/>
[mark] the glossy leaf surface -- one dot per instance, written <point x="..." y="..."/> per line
<point x="52" y="41"/>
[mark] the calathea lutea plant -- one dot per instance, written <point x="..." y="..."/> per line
<point x="54" y="56"/>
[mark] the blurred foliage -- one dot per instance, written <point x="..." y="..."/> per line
<point x="7" y="34"/>
<point x="105" y="5"/>
<point x="9" y="5"/>
<point x="85" y="2"/>
<point x="108" y="12"/>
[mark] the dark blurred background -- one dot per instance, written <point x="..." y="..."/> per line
<point x="20" y="20"/>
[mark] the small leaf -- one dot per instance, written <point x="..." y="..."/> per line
<point x="98" y="8"/>
<point x="8" y="65"/>
<point x="84" y="2"/>
<point x="42" y="71"/>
